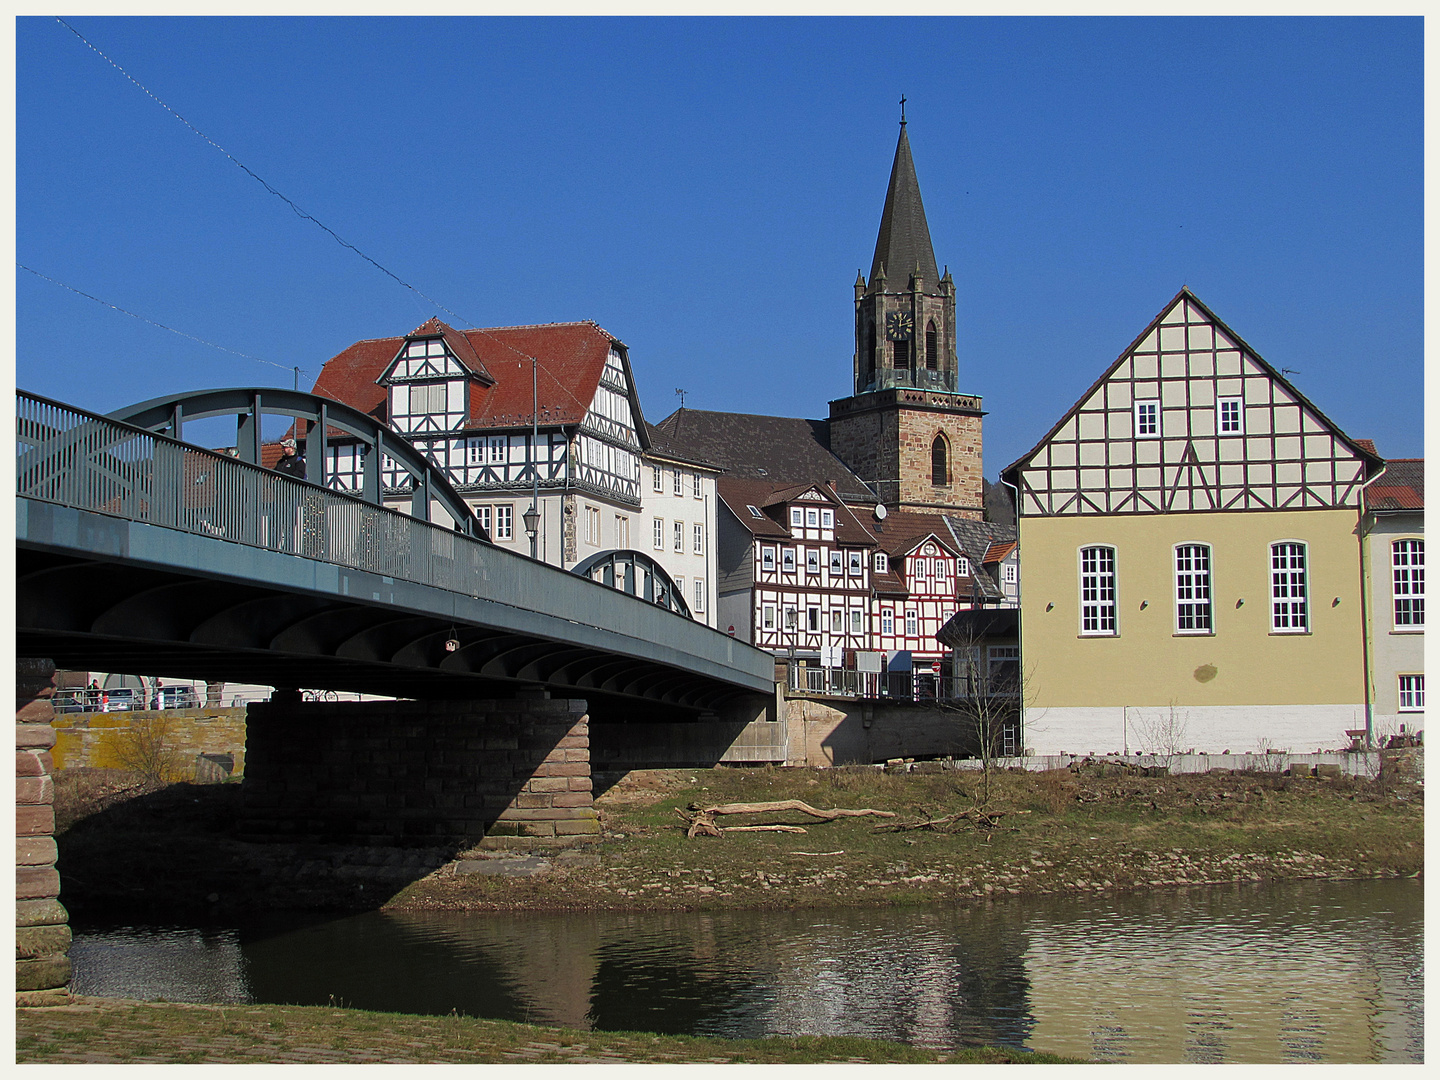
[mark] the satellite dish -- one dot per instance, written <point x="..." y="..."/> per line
<point x="880" y="511"/>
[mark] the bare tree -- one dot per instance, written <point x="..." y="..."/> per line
<point x="1161" y="734"/>
<point x="145" y="749"/>
<point x="986" y="694"/>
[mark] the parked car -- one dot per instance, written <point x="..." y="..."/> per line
<point x="122" y="699"/>
<point x="68" y="701"/>
<point x="179" y="697"/>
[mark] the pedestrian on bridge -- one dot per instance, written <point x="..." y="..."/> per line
<point x="292" y="462"/>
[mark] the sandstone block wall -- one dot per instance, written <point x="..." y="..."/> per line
<point x="98" y="739"/>
<point x="42" y="930"/>
<point x="416" y="772"/>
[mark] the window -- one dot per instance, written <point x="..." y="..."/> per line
<point x="812" y="517"/>
<point x="475" y="451"/>
<point x="787" y="560"/>
<point x="887" y="621"/>
<point x="592" y="525"/>
<point x="932" y="346"/>
<point x="767" y="617"/>
<point x="1004" y="669"/>
<point x="754" y="511"/>
<point x="767" y="558"/>
<point x="901" y="351"/>
<point x="962" y="566"/>
<point x="1288" y="613"/>
<point x="1147" y="419"/>
<point x="812" y="561"/>
<point x="827" y="519"/>
<point x="679" y="483"/>
<point x="680" y="588"/>
<point x="1097" y="590"/>
<point x="837" y="563"/>
<point x="695" y="484"/>
<point x="1407" y="563"/>
<point x="837" y="620"/>
<point x="1008" y="572"/>
<point x="1192" y="589"/>
<point x="792" y="621"/>
<point x="812" y="619"/>
<point x="699" y="604"/>
<point x="504" y="523"/>
<point x="1412" y="693"/>
<point x="855" y="564"/>
<point x="697" y="539"/>
<point x="622" y="531"/>
<point x="1231" y="416"/>
<point x="483" y="513"/>
<point x="882" y="561"/>
<point x="912" y="623"/>
<point x="939" y="462"/>
<point x="427" y="398"/>
<point x="658" y="477"/>
<point x="857" y="620"/>
<point x="797" y="517"/>
<point x="657" y="532"/>
<point x="679" y="536"/>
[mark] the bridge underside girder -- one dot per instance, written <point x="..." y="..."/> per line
<point x="96" y="615"/>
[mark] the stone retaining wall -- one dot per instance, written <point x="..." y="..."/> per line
<point x="416" y="772"/>
<point x="42" y="930"/>
<point x="99" y="739"/>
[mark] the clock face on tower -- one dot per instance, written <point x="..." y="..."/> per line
<point x="899" y="325"/>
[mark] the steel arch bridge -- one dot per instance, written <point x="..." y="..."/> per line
<point x="138" y="552"/>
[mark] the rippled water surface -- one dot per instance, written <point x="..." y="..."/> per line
<point x="1296" y="972"/>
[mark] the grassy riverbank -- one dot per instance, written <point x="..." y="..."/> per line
<point x="109" y="1031"/>
<point x="174" y="854"/>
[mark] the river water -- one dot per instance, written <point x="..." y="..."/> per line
<point x="1289" y="972"/>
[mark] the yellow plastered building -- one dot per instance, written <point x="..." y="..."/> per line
<point x="1192" y="570"/>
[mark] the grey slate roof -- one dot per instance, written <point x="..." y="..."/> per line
<point x="974" y="538"/>
<point x="661" y="445"/>
<point x="904" y="240"/>
<point x="777" y="449"/>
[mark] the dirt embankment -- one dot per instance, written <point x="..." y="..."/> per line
<point x="173" y="853"/>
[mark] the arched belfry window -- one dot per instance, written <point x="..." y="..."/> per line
<point x="939" y="462"/>
<point x="932" y="346"/>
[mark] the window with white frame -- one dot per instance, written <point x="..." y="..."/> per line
<point x="658" y="478"/>
<point x="812" y="620"/>
<point x="504" y="522"/>
<point x="792" y="619"/>
<point x="882" y="562"/>
<point x="592" y="525"/>
<point x="1407" y="565"/>
<point x="426" y="398"/>
<point x="919" y="567"/>
<point x="1097" y="590"/>
<point x="697" y="539"/>
<point x="1231" y="416"/>
<point x="857" y="620"/>
<point x="837" y="563"/>
<point x="1412" y="693"/>
<point x="912" y="623"/>
<point x="887" y="621"/>
<point x="812" y="560"/>
<point x="827" y="519"/>
<point x="695" y="485"/>
<point x="679" y="536"/>
<point x="787" y="560"/>
<point x="1289" y="609"/>
<point x="1147" y="419"/>
<point x="475" y="451"/>
<point x="1192" y="589"/>
<point x="680" y="588"/>
<point x="812" y="517"/>
<point x="837" y="620"/>
<point x="767" y="617"/>
<point x="483" y="513"/>
<point x="962" y="566"/>
<point x="767" y="558"/>
<point x="856" y="564"/>
<point x="797" y="517"/>
<point x="699" y="604"/>
<point x="678" y="485"/>
<point x="657" y="533"/>
<point x="1009" y="573"/>
<point x="622" y="531"/>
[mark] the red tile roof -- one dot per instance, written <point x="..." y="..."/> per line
<point x="998" y="551"/>
<point x="570" y="359"/>
<point x="770" y="499"/>
<point x="902" y="530"/>
<point x="1400" y="487"/>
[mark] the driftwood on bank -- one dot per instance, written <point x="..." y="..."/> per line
<point x="985" y="819"/>
<point x="701" y="819"/>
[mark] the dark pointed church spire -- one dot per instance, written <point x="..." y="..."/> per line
<point x="904" y="240"/>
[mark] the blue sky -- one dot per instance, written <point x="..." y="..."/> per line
<point x="705" y="189"/>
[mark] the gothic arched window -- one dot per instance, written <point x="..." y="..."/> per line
<point x="939" y="462"/>
<point x="932" y="346"/>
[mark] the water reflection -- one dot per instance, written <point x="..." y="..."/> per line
<point x="1309" y="971"/>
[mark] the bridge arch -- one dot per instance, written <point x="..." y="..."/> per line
<point x="167" y="416"/>
<point x="638" y="575"/>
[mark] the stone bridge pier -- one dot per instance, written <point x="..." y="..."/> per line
<point x="418" y="772"/>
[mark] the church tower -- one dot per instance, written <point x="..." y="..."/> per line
<point x="906" y="430"/>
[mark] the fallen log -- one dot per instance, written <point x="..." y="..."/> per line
<point x="762" y="828"/>
<point x="787" y="804"/>
<point x="986" y="819"/>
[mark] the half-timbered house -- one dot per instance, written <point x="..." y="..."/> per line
<point x="917" y="588"/>
<point x="1190" y="531"/>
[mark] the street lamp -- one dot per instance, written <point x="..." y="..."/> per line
<point x="531" y="518"/>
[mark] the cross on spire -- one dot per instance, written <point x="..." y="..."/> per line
<point x="902" y="110"/>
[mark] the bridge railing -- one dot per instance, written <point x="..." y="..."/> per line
<point x="85" y="461"/>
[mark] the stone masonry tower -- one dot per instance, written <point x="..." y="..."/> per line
<point x="907" y="431"/>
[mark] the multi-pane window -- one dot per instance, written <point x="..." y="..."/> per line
<point x="812" y="561"/>
<point x="592" y="525"/>
<point x="1147" y="418"/>
<point x="837" y="563"/>
<point x="475" y="451"/>
<point x="697" y="539"/>
<point x="679" y="536"/>
<point x="659" y="478"/>
<point x="962" y="566"/>
<point x="1412" y="693"/>
<point x="921" y="567"/>
<point x="427" y="398"/>
<point x="1097" y="590"/>
<point x="1009" y="573"/>
<point x="912" y="623"/>
<point x="1407" y="564"/>
<point x="679" y="483"/>
<point x="695" y="483"/>
<point x="1288" y="607"/>
<point x="855" y="565"/>
<point x="767" y="558"/>
<point x="827" y="519"/>
<point x="657" y="531"/>
<point x="483" y="513"/>
<point x="699" y="604"/>
<point x="787" y="560"/>
<point x="797" y="517"/>
<point x="887" y="621"/>
<point x="499" y="445"/>
<point x="1192" y="589"/>
<point x="812" y="517"/>
<point x="1231" y="416"/>
<point x="622" y="531"/>
<point x="504" y="523"/>
<point x="882" y="561"/>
